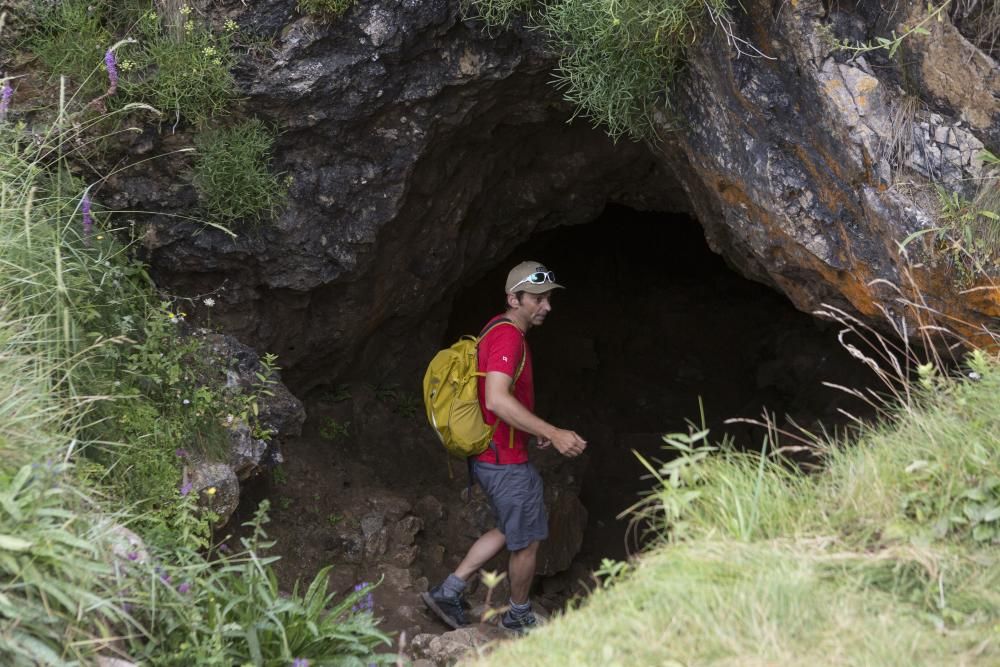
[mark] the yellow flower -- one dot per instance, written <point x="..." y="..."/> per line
<point x="231" y="25"/>
<point x="189" y="26"/>
<point x="210" y="491"/>
<point x="185" y="10"/>
<point x="208" y="50"/>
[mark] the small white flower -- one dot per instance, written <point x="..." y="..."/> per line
<point x="209" y="302"/>
<point x="186" y="402"/>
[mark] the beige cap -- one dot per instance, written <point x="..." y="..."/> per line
<point x="531" y="277"/>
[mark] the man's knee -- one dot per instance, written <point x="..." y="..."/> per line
<point x="530" y="549"/>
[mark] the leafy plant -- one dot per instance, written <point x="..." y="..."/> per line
<point x="611" y="571"/>
<point x="279" y="475"/>
<point x="232" y="173"/>
<point x="233" y="612"/>
<point x="402" y="403"/>
<point x="334" y="430"/>
<point x="892" y="43"/>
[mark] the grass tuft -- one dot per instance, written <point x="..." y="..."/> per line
<point x="324" y="9"/>
<point x="232" y="173"/>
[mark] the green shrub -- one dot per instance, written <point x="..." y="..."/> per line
<point x="619" y="61"/>
<point x="232" y="173"/>
<point x="71" y="39"/>
<point x="175" y="64"/>
<point x="183" y="72"/>
<point x="324" y="9"/>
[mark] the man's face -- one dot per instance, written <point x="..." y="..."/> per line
<point x="533" y="307"/>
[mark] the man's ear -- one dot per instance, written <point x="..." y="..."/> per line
<point x="512" y="301"/>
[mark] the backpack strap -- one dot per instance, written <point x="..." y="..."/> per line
<point x="500" y="321"/>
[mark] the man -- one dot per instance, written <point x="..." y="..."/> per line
<point x="511" y="483"/>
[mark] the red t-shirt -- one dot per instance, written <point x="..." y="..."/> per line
<point x="501" y="350"/>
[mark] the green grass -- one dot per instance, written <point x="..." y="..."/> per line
<point x="726" y="602"/>
<point x="887" y="555"/>
<point x="232" y="174"/>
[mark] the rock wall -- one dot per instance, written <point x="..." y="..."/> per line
<point x="806" y="172"/>
<point x="421" y="149"/>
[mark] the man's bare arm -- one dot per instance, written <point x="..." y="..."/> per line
<point x="502" y="403"/>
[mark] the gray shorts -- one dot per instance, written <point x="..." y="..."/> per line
<point x="515" y="493"/>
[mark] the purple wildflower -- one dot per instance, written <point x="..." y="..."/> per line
<point x="366" y="603"/>
<point x="184" y="588"/>
<point x="180" y="453"/>
<point x="5" y="94"/>
<point x="132" y="555"/>
<point x="300" y="662"/>
<point x="112" y="65"/>
<point x="224" y="548"/>
<point x="88" y="219"/>
<point x="185" y="488"/>
<point x="165" y="578"/>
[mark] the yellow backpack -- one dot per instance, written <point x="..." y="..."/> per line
<point x="451" y="396"/>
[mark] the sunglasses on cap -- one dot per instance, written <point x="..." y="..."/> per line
<point x="536" y="278"/>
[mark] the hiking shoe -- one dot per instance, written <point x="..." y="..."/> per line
<point x="447" y="607"/>
<point x="518" y="624"/>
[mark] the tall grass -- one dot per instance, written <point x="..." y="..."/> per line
<point x="55" y="599"/>
<point x="90" y="418"/>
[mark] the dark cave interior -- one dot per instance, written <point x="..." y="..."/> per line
<point x="651" y="326"/>
<point x="651" y="322"/>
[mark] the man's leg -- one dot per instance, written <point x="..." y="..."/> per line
<point x="445" y="600"/>
<point x="521" y="571"/>
<point x="486" y="547"/>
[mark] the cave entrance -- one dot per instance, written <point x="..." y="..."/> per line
<point x="650" y="321"/>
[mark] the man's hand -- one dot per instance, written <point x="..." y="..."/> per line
<point x="568" y="443"/>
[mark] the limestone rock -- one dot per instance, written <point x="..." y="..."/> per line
<point x="450" y="647"/>
<point x="216" y="486"/>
